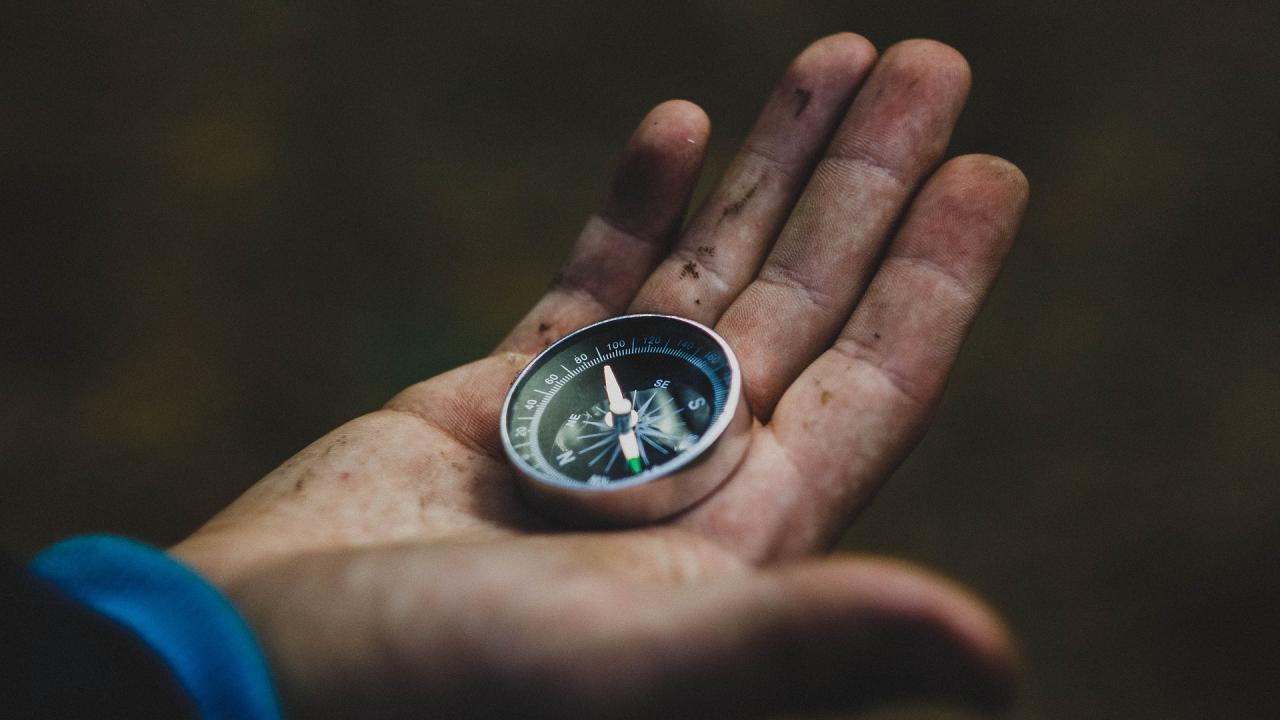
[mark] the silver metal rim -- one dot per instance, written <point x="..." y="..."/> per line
<point x="656" y="493"/>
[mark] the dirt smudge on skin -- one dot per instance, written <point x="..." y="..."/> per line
<point x="708" y="250"/>
<point x="875" y="335"/>
<point x="690" y="270"/>
<point x="824" y="397"/>
<point x="736" y="206"/>
<point x="338" y="442"/>
<point x="803" y="97"/>
<point x="544" y="334"/>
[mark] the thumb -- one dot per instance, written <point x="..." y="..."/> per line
<point x="834" y="635"/>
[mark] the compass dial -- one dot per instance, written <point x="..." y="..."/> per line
<point x="621" y="403"/>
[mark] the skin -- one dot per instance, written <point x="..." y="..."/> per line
<point x="392" y="569"/>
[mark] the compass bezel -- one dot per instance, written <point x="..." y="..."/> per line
<point x="658" y="491"/>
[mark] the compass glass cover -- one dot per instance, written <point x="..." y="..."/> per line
<point x="674" y="375"/>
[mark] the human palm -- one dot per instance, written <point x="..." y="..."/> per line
<point x="392" y="568"/>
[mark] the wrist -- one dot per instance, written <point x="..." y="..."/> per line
<point x="183" y="618"/>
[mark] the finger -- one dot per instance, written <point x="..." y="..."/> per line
<point x="830" y="636"/>
<point x="895" y="132"/>
<point x="623" y="241"/>
<point x="859" y="408"/>
<point x="724" y="244"/>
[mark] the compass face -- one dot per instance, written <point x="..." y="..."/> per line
<point x="620" y="403"/>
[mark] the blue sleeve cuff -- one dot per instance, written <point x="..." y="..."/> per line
<point x="183" y="618"/>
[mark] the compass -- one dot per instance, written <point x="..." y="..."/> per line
<point x="627" y="421"/>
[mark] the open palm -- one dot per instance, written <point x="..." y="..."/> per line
<point x="391" y="568"/>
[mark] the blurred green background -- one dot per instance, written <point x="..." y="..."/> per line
<point x="227" y="230"/>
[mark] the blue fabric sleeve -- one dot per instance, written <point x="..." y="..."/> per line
<point x="184" y="619"/>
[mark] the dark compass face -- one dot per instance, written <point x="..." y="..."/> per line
<point x="619" y="402"/>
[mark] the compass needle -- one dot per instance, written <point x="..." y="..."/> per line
<point x="613" y="391"/>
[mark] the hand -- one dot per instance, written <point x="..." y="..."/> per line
<point x="391" y="568"/>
